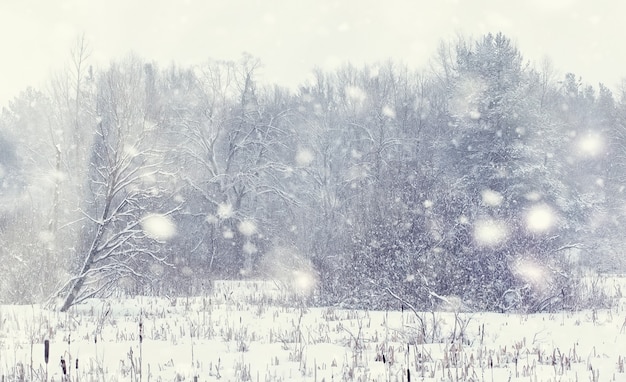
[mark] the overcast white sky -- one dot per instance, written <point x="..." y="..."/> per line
<point x="293" y="36"/>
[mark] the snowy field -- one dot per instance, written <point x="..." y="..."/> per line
<point x="257" y="331"/>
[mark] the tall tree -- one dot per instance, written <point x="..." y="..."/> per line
<point x="125" y="229"/>
<point x="231" y="135"/>
<point x="502" y="198"/>
<point x="29" y="178"/>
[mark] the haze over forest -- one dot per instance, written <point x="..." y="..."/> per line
<point x="292" y="38"/>
<point x="486" y="177"/>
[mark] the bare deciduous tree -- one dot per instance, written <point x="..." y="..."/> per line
<point x="127" y="185"/>
<point x="232" y="142"/>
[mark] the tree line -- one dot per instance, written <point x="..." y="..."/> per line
<point x="483" y="177"/>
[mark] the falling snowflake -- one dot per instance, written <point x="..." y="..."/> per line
<point x="489" y="232"/>
<point x="304" y="157"/>
<point x="389" y="112"/>
<point x="531" y="273"/>
<point x="224" y="210"/>
<point x="533" y="196"/>
<point x="304" y="281"/>
<point x="540" y="218"/>
<point x="590" y="145"/>
<point x="249" y="248"/>
<point x="158" y="227"/>
<point x="491" y="198"/>
<point x="355" y="93"/>
<point x="247" y="228"/>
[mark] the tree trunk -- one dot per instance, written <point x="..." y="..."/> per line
<point x="73" y="292"/>
<point x="77" y="284"/>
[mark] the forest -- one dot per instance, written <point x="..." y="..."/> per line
<point x="485" y="178"/>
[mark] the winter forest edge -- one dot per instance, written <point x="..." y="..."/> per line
<point x="485" y="178"/>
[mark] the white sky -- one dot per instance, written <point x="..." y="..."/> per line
<point x="293" y="36"/>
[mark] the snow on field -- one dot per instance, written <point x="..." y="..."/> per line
<point x="259" y="331"/>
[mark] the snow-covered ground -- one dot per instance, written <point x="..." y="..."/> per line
<point x="257" y="331"/>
